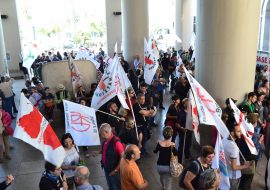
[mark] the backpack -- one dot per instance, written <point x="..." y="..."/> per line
<point x="183" y="174"/>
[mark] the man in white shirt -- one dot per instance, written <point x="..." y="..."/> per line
<point x="232" y="156"/>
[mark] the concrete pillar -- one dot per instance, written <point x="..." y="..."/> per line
<point x="2" y="49"/>
<point x="11" y="31"/>
<point x="178" y="22"/>
<point x="187" y="22"/>
<point x="114" y="25"/>
<point x="135" y="27"/>
<point x="226" y="45"/>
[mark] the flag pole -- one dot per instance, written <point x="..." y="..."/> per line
<point x="229" y="136"/>
<point x="107" y="113"/>
<point x="132" y="112"/>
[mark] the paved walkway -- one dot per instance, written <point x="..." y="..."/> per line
<point x="27" y="163"/>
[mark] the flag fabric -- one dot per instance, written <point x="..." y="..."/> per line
<point x="220" y="162"/>
<point x="150" y="64"/>
<point x="113" y="83"/>
<point x="84" y="55"/>
<point x="208" y="110"/>
<point x="247" y="129"/>
<point x="81" y="124"/>
<point x="115" y="48"/>
<point x="76" y="78"/>
<point x="152" y="43"/>
<point x="179" y="63"/>
<point x="192" y="120"/>
<point x="34" y="129"/>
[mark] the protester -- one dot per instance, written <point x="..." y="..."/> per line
<point x="190" y="177"/>
<point x="60" y="95"/>
<point x="71" y="160"/>
<point x="6" y="89"/>
<point x="48" y="101"/>
<point x="142" y="113"/>
<point x="210" y="179"/>
<point x="232" y="156"/>
<point x="112" y="151"/>
<point x="131" y="177"/>
<point x="249" y="103"/>
<point x="7" y="182"/>
<point x="128" y="134"/>
<point x="36" y="98"/>
<point x="53" y="178"/>
<point x="165" y="148"/>
<point x="81" y="178"/>
<point x="5" y="131"/>
<point x="171" y="115"/>
<point x="115" y="122"/>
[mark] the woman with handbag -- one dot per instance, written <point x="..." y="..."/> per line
<point x="165" y="148"/>
<point x="5" y="131"/>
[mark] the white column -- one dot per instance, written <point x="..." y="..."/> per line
<point x="2" y="48"/>
<point x="11" y="31"/>
<point x="187" y="22"/>
<point x="226" y="45"/>
<point x="178" y="22"/>
<point x="135" y="26"/>
<point x="114" y="26"/>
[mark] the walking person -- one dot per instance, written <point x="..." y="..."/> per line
<point x="165" y="148"/>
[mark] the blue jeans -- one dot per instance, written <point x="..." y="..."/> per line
<point x="113" y="181"/>
<point x="7" y="105"/>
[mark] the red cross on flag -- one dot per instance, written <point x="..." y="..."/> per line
<point x="34" y="129"/>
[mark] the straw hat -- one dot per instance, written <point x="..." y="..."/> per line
<point x="60" y="87"/>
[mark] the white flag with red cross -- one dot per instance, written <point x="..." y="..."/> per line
<point x="150" y="64"/>
<point x="247" y="129"/>
<point x="114" y="82"/>
<point x="209" y="111"/>
<point x="34" y="129"/>
<point x="76" y="77"/>
<point x="192" y="120"/>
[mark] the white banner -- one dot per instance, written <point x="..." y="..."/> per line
<point x="81" y="124"/>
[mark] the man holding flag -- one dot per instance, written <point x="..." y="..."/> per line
<point x="232" y="156"/>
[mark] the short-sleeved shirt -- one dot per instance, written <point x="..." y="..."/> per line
<point x="140" y="120"/>
<point x="231" y="152"/>
<point x="118" y="148"/>
<point x="196" y="168"/>
<point x="72" y="158"/>
<point x="130" y="175"/>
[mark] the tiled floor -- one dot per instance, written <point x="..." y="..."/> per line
<point x="27" y="163"/>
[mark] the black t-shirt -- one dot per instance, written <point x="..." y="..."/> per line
<point x="114" y="122"/>
<point x="140" y="120"/>
<point x="196" y="168"/>
<point x="181" y="118"/>
<point x="164" y="154"/>
<point x="128" y="136"/>
<point x="172" y="111"/>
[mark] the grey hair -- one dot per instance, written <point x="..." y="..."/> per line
<point x="105" y="127"/>
<point x="79" y="175"/>
<point x="208" y="178"/>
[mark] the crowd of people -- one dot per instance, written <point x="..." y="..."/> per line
<point x="126" y="137"/>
